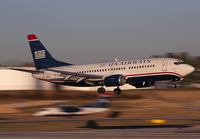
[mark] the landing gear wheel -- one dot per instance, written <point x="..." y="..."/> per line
<point x="117" y="91"/>
<point x="101" y="90"/>
<point x="173" y="85"/>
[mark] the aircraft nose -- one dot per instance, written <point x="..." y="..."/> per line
<point x="189" y="69"/>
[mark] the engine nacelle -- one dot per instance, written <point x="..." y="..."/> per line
<point x="145" y="84"/>
<point x="115" y="80"/>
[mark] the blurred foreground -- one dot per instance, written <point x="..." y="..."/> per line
<point x="137" y="103"/>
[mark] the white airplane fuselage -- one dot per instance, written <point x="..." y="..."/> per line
<point x="56" y="111"/>
<point x="135" y="71"/>
<point x="102" y="105"/>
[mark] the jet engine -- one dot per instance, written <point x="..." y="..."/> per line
<point x="143" y="84"/>
<point x="115" y="80"/>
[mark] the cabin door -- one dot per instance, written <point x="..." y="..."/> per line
<point x="164" y="65"/>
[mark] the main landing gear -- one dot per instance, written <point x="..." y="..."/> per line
<point x="102" y="90"/>
<point x="117" y="90"/>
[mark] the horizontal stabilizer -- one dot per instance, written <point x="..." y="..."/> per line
<point x="27" y="70"/>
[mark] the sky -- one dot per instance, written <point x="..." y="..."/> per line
<point x="87" y="31"/>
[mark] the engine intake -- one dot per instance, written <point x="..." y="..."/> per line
<point x="115" y="80"/>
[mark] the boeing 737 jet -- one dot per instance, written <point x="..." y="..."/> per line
<point x="139" y="72"/>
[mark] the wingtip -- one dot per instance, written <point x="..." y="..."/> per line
<point x="32" y="37"/>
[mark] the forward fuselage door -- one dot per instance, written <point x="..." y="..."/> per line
<point x="164" y="65"/>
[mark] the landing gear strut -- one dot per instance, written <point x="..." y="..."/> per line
<point x="173" y="84"/>
<point x="117" y="90"/>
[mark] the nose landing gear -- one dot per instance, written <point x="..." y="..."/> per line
<point x="173" y="84"/>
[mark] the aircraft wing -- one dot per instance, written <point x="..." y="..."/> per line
<point x="88" y="78"/>
<point x="28" y="70"/>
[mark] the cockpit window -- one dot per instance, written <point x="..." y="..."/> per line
<point x="179" y="62"/>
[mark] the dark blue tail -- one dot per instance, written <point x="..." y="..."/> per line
<point x="103" y="101"/>
<point x="42" y="58"/>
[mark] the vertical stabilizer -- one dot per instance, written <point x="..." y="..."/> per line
<point x="103" y="101"/>
<point x="42" y="58"/>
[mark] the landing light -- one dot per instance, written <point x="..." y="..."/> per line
<point x="181" y="78"/>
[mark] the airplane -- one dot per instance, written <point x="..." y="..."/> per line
<point x="102" y="105"/>
<point x="139" y="72"/>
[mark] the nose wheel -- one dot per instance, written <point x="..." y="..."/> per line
<point x="174" y="84"/>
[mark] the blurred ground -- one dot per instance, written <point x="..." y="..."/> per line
<point x="135" y="103"/>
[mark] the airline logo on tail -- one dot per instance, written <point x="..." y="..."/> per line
<point x="40" y="54"/>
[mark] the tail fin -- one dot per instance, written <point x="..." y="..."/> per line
<point x="103" y="101"/>
<point x="42" y="58"/>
